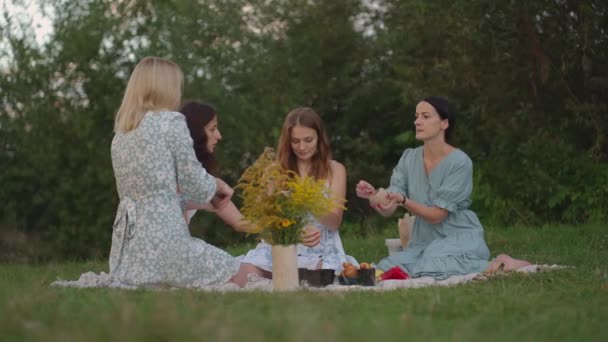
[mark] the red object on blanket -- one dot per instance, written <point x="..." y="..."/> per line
<point x="394" y="273"/>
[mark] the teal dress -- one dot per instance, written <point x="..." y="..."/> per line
<point x="455" y="246"/>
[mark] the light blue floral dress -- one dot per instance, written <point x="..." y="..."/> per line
<point x="328" y="254"/>
<point x="455" y="246"/>
<point x="151" y="244"/>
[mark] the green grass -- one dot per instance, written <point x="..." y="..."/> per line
<point x="566" y="305"/>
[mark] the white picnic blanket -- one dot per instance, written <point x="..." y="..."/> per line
<point x="256" y="283"/>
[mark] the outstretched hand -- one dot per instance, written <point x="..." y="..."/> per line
<point x="380" y="199"/>
<point x="365" y="190"/>
<point x="383" y="201"/>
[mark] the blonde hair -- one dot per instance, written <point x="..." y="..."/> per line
<point x="155" y="84"/>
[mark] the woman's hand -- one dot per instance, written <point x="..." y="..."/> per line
<point x="223" y="194"/>
<point x="399" y="199"/>
<point x="231" y="215"/>
<point x="311" y="236"/>
<point x="365" y="190"/>
<point x="385" y="202"/>
<point x="380" y="199"/>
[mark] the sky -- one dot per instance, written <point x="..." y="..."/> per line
<point x="39" y="14"/>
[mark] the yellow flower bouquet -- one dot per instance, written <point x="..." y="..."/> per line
<point x="278" y="203"/>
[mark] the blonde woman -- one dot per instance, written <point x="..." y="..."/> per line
<point x="152" y="155"/>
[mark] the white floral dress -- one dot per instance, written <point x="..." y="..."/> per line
<point x="151" y="244"/>
<point x="328" y="254"/>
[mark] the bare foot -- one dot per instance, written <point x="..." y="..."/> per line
<point x="494" y="266"/>
<point x="510" y="264"/>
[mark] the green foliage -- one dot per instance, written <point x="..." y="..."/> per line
<point x="529" y="80"/>
<point x="520" y="75"/>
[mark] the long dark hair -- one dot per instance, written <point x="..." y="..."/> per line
<point x="305" y="117"/>
<point x="197" y="116"/>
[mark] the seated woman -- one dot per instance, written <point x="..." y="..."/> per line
<point x="304" y="149"/>
<point x="434" y="182"/>
<point x="152" y="155"/>
<point x="202" y="123"/>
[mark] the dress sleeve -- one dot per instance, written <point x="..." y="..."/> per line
<point x="399" y="177"/>
<point x="195" y="184"/>
<point x="455" y="189"/>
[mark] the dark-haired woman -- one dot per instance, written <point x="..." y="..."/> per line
<point x="202" y="123"/>
<point x="434" y="182"/>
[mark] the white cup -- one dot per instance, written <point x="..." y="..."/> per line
<point x="393" y="245"/>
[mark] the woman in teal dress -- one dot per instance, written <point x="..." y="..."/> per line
<point x="434" y="182"/>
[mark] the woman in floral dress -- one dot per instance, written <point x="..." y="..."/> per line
<point x="152" y="155"/>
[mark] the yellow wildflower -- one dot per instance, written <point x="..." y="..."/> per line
<point x="278" y="202"/>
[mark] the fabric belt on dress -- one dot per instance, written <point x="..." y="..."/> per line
<point x="124" y="228"/>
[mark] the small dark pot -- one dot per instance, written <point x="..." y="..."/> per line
<point x="316" y="278"/>
<point x="367" y="277"/>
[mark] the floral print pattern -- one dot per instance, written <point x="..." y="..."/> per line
<point x="151" y="244"/>
<point x="328" y="254"/>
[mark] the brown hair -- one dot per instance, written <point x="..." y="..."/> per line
<point x="198" y="116"/>
<point x="305" y="117"/>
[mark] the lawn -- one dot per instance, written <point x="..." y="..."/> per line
<point x="563" y="305"/>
